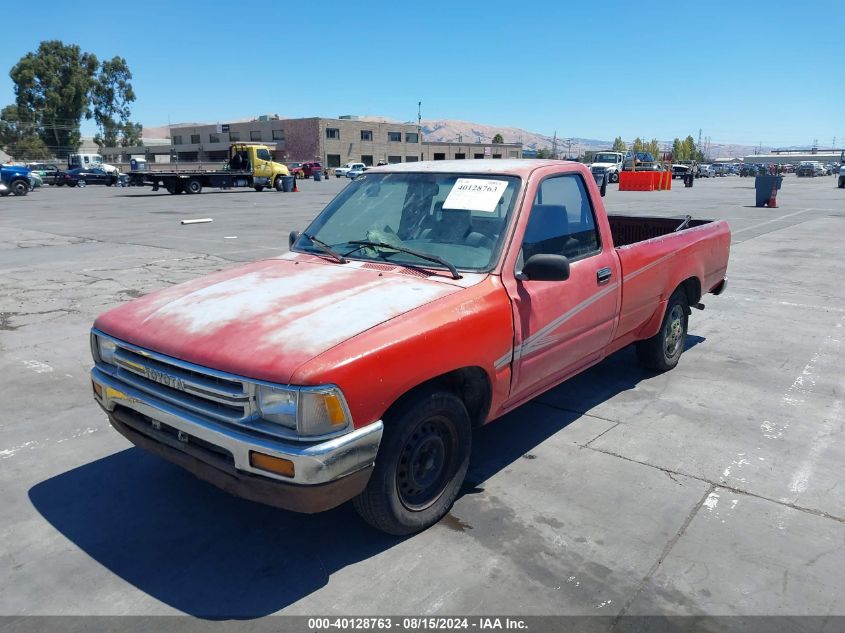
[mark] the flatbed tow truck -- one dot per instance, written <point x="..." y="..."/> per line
<point x="249" y="165"/>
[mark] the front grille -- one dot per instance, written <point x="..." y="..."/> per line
<point x="205" y="393"/>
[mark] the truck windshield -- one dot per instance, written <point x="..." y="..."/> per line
<point x="605" y="158"/>
<point x="461" y="218"/>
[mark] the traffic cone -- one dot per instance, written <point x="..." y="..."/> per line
<point x="773" y="202"/>
<point x="295" y="188"/>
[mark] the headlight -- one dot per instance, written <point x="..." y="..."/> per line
<point x="311" y="411"/>
<point x="105" y="349"/>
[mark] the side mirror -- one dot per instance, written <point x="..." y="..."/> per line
<point x="294" y="235"/>
<point x="545" y="267"/>
<point x="601" y="181"/>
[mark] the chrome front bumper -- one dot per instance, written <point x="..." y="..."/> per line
<point x="314" y="463"/>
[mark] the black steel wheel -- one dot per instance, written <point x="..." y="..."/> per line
<point x="614" y="176"/>
<point x="19" y="188"/>
<point x="421" y="463"/>
<point x="193" y="186"/>
<point x="662" y="351"/>
<point x="426" y="463"/>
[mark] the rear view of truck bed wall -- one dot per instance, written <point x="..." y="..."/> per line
<point x="629" y="229"/>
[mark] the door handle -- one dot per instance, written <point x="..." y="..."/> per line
<point x="603" y="275"/>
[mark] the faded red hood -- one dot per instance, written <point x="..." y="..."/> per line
<point x="265" y="319"/>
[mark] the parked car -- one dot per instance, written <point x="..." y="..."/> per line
<point x="305" y="170"/>
<point x="748" y="170"/>
<point x="356" y="171"/>
<point x="607" y="164"/>
<point x="356" y="366"/>
<point x="342" y="171"/>
<point x="706" y="171"/>
<point x="16" y="179"/>
<point x="679" y="171"/>
<point x="810" y="169"/>
<point x="82" y="176"/>
<point x="50" y="174"/>
<point x="643" y="161"/>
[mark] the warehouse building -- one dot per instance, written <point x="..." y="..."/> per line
<point x="333" y="142"/>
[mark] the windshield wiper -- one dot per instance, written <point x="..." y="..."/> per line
<point x="401" y="249"/>
<point x="327" y="249"/>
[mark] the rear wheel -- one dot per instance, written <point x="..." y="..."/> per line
<point x="80" y="183"/>
<point x="420" y="466"/>
<point x="193" y="186"/>
<point x="662" y="351"/>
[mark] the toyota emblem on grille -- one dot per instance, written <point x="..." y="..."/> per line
<point x="165" y="379"/>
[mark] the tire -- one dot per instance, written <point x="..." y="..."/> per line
<point x="81" y="183"/>
<point x="171" y="188"/>
<point x="421" y="464"/>
<point x="614" y="176"/>
<point x="259" y="188"/>
<point x="662" y="351"/>
<point x="842" y="182"/>
<point x="19" y="187"/>
<point x="193" y="186"/>
<point x="279" y="185"/>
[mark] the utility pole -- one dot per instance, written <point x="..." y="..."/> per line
<point x="554" y="146"/>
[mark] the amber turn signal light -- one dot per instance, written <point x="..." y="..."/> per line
<point x="271" y="464"/>
<point x="98" y="389"/>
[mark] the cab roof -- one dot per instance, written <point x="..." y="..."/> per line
<point x="516" y="167"/>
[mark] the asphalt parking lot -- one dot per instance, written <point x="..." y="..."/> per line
<point x="713" y="489"/>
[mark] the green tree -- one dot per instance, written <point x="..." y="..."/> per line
<point x="544" y="153"/>
<point x="618" y="145"/>
<point x="638" y="145"/>
<point x="52" y="87"/>
<point x="678" y="150"/>
<point x="131" y="134"/>
<point x="20" y="138"/>
<point x="689" y="148"/>
<point x="498" y="140"/>
<point x="653" y="148"/>
<point x="111" y="94"/>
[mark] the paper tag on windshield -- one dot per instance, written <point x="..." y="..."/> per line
<point x="475" y="194"/>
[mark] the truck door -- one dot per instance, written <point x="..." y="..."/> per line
<point x="561" y="326"/>
<point x="262" y="163"/>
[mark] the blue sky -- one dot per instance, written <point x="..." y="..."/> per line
<point x="742" y="71"/>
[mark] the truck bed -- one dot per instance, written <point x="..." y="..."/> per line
<point x="655" y="259"/>
<point x="627" y="229"/>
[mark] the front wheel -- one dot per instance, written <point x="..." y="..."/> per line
<point x="842" y="182"/>
<point x="420" y="466"/>
<point x="279" y="185"/>
<point x="20" y="188"/>
<point x="662" y="351"/>
<point x="614" y="176"/>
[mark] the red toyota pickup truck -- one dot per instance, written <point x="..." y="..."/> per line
<point x="424" y="300"/>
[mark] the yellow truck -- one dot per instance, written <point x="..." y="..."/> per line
<point x="249" y="165"/>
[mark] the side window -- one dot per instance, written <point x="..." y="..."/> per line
<point x="263" y="154"/>
<point x="562" y="221"/>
